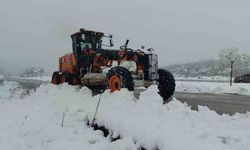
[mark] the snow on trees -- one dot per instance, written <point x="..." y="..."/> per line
<point x="241" y="61"/>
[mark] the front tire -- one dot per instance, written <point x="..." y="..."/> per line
<point x="120" y="77"/>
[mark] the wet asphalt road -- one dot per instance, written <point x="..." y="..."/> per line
<point x="221" y="103"/>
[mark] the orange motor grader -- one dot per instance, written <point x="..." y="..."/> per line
<point x="97" y="68"/>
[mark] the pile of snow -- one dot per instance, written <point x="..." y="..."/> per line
<point x="212" y="87"/>
<point x="174" y="126"/>
<point x="34" y="122"/>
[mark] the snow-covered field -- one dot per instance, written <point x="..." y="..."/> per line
<point x="212" y="87"/>
<point x="40" y="78"/>
<point x="33" y="120"/>
<point x="203" y="78"/>
<point x="215" y="84"/>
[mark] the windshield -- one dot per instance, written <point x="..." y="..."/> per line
<point x="92" y="41"/>
<point x="85" y="45"/>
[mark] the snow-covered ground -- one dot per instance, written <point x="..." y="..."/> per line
<point x="202" y="78"/>
<point x="33" y="121"/>
<point x="212" y="87"/>
<point x="40" y="78"/>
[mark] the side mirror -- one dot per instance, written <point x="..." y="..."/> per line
<point x="127" y="42"/>
<point x="111" y="42"/>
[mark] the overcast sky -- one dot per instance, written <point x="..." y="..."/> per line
<point x="37" y="32"/>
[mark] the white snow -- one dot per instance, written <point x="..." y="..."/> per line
<point x="10" y="90"/>
<point x="39" y="78"/>
<point x="174" y="126"/>
<point x="203" y="78"/>
<point x="212" y="87"/>
<point x="34" y="122"/>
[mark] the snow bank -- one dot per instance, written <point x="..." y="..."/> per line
<point x="34" y="122"/>
<point x="174" y="126"/>
<point x="212" y="87"/>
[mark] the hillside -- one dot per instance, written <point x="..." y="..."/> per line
<point x="209" y="67"/>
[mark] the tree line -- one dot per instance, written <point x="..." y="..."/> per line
<point x="221" y="66"/>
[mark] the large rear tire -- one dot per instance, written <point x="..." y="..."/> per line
<point x="56" y="79"/>
<point x="166" y="85"/>
<point x="120" y="77"/>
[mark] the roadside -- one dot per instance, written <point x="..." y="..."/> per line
<point x="192" y="93"/>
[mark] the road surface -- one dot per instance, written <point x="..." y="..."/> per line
<point x="221" y="103"/>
